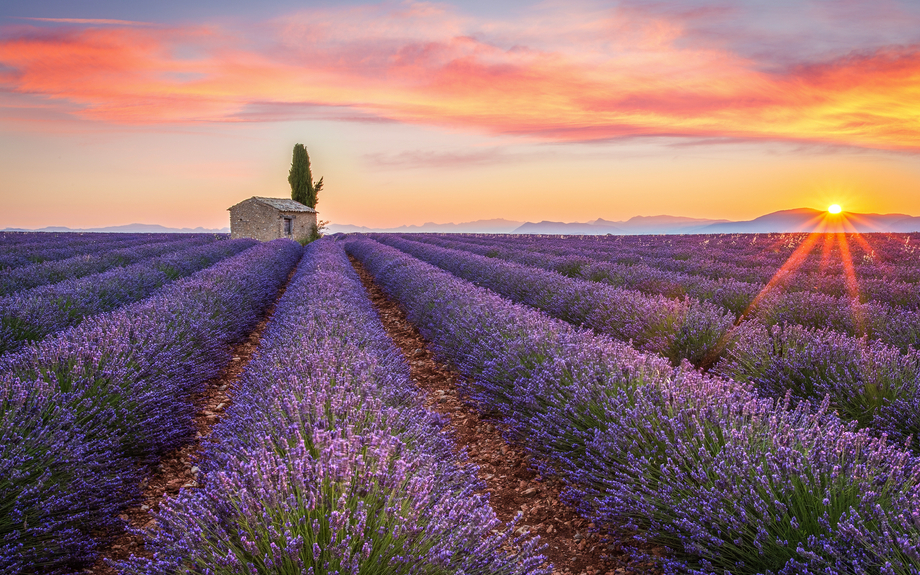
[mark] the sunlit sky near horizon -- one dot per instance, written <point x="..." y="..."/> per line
<point x="169" y="112"/>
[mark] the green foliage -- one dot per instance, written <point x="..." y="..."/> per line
<point x="303" y="188"/>
<point x="317" y="187"/>
<point x="316" y="231"/>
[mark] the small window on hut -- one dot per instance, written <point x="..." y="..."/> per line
<point x="287" y="226"/>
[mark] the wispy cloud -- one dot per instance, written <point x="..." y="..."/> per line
<point x="87" y="21"/>
<point x="559" y="74"/>
<point x="269" y="111"/>
<point x="414" y="159"/>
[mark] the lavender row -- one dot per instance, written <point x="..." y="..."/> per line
<point x="326" y="462"/>
<point x="719" y="284"/>
<point x="725" y="480"/>
<point x="82" y="412"/>
<point x="10" y="240"/>
<point x="33" y="314"/>
<point x="677" y="330"/>
<point x="878" y="321"/>
<point x="882" y="256"/>
<point x="732" y="295"/>
<point x="869" y="382"/>
<point x="42" y="247"/>
<point x="20" y="279"/>
<point x="22" y="249"/>
<point x="711" y="269"/>
<point x="875" y="384"/>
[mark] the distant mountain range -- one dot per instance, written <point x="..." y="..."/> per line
<point x="128" y="229"/>
<point x="808" y="220"/>
<point x="633" y="226"/>
<point x="496" y="226"/>
<point x="798" y="220"/>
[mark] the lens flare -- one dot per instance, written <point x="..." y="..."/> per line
<point x="834" y="209"/>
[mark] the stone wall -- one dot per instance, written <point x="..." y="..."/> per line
<point x="253" y="219"/>
<point x="301" y="224"/>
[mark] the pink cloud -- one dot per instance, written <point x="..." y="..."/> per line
<point x="560" y="75"/>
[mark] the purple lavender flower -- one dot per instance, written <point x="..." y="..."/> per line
<point x="727" y="480"/>
<point x="32" y="314"/>
<point x="49" y="272"/>
<point x="327" y="463"/>
<point x="82" y="409"/>
<point x="18" y="249"/>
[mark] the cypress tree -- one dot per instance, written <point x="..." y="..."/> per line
<point x="317" y="186"/>
<point x="300" y="177"/>
<point x="303" y="188"/>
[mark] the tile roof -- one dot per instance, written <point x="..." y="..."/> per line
<point x="284" y="204"/>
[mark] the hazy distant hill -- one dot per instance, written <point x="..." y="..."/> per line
<point x="636" y="225"/>
<point x="128" y="229"/>
<point x="588" y="228"/>
<point x="798" y="220"/>
<point x="495" y="226"/>
<point x="808" y="220"/>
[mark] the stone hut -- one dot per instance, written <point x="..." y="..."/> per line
<point x="267" y="219"/>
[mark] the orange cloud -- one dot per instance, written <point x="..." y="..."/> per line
<point x="559" y="76"/>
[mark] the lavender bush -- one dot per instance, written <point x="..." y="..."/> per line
<point x="25" y="249"/>
<point x="750" y="258"/>
<point x="727" y="481"/>
<point x="791" y="299"/>
<point x="83" y="409"/>
<point x="581" y="262"/>
<point x="33" y="314"/>
<point x="19" y="279"/>
<point x="865" y="381"/>
<point x="675" y="329"/>
<point x="326" y="462"/>
<point x="872" y="383"/>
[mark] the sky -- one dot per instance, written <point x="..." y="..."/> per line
<point x="169" y="112"/>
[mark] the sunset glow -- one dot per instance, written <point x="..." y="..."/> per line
<point x="456" y="112"/>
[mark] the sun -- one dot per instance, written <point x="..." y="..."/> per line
<point x="834" y="209"/>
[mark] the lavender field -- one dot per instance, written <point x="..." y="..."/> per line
<point x="722" y="404"/>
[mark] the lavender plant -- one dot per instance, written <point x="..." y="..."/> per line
<point x="676" y="329"/>
<point x="865" y="381"/>
<point x="19" y="279"/>
<point x="26" y="249"/>
<point x="742" y="485"/>
<point x="82" y="409"/>
<point x="56" y="482"/>
<point x="727" y="481"/>
<point x="326" y="462"/>
<point x="820" y="300"/>
<point x="877" y="388"/>
<point x="33" y="314"/>
<point x="707" y="267"/>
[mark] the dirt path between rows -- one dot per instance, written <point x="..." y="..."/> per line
<point x="177" y="469"/>
<point x="573" y="546"/>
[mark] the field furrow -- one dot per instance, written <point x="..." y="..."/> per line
<point x="572" y="544"/>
